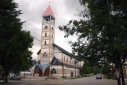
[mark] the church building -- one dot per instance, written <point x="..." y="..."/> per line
<point x="52" y="59"/>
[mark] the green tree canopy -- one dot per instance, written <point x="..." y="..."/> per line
<point x="14" y="41"/>
<point x="104" y="27"/>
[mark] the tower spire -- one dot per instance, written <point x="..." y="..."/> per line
<point x="48" y="11"/>
<point x="47" y="36"/>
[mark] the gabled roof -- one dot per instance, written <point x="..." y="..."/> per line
<point x="42" y="66"/>
<point x="62" y="50"/>
<point x="39" y="51"/>
<point x="48" y="11"/>
<point x="71" y="66"/>
<point x="55" y="61"/>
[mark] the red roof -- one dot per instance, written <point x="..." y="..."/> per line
<point x="48" y="11"/>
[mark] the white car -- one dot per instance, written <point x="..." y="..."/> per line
<point x="99" y="76"/>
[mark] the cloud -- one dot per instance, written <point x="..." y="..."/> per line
<point x="64" y="10"/>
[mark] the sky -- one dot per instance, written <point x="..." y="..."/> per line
<point x="64" y="11"/>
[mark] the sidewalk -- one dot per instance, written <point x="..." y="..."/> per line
<point x="34" y="78"/>
<point x="39" y="78"/>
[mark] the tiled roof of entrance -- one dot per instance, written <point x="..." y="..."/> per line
<point x="55" y="61"/>
<point x="42" y="66"/>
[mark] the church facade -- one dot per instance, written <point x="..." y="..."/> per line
<point x="52" y="59"/>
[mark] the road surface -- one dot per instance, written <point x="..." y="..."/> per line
<point x="80" y="81"/>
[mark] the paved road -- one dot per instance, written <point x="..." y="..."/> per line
<point x="81" y="81"/>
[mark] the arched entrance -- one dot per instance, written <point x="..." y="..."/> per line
<point x="42" y="69"/>
<point x="38" y="71"/>
<point x="46" y="73"/>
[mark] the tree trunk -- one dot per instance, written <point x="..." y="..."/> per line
<point x="118" y="77"/>
<point x="5" y="79"/>
<point x="6" y="76"/>
<point x="117" y="72"/>
<point x="121" y="72"/>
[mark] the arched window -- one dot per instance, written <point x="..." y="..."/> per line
<point x="45" y="34"/>
<point x="67" y="59"/>
<point x="47" y="19"/>
<point x="45" y="42"/>
<point x="64" y="58"/>
<point x="52" y="28"/>
<point x="53" y="71"/>
<point x="52" y="35"/>
<point x="70" y="60"/>
<point x="46" y="27"/>
<point x="44" y="54"/>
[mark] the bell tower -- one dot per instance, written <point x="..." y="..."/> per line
<point x="47" y="36"/>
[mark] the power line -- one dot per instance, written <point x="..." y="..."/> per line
<point x="36" y="38"/>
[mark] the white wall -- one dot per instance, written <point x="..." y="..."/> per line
<point x="67" y="71"/>
<point x="58" y="54"/>
<point x="56" y="50"/>
<point x="45" y="60"/>
<point x="45" y="50"/>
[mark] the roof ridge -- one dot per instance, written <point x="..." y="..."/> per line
<point x="63" y="50"/>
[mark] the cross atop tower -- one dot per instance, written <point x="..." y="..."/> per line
<point x="49" y="2"/>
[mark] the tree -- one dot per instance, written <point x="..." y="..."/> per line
<point x="104" y="26"/>
<point x="88" y="68"/>
<point x="106" y="70"/>
<point x="14" y="41"/>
